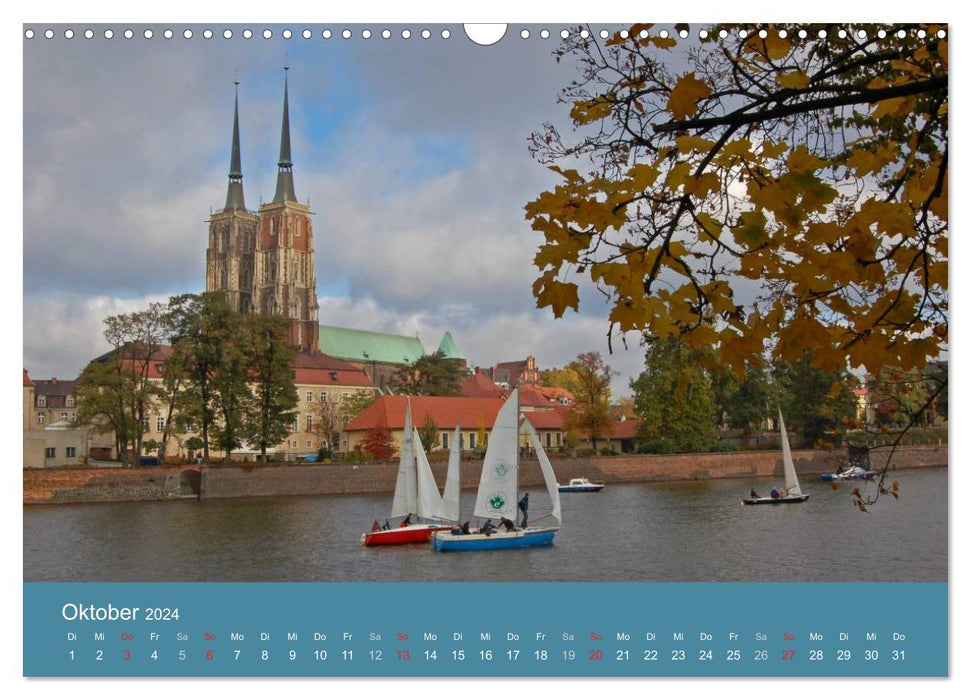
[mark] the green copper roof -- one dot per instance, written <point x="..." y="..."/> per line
<point x="367" y="346"/>
<point x="448" y="348"/>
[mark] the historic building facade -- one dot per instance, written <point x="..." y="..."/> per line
<point x="264" y="261"/>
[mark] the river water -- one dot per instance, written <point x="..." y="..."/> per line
<point x="683" y="531"/>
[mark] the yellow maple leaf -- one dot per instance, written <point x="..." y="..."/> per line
<point x="684" y="98"/>
<point x="797" y="80"/>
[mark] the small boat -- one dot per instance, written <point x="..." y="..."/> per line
<point x="581" y="485"/>
<point x="853" y="473"/>
<point x="498" y="493"/>
<point x="415" y="494"/>
<point x="793" y="493"/>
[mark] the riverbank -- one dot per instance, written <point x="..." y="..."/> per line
<point x="247" y="480"/>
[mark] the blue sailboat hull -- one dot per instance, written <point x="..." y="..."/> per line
<point x="532" y="537"/>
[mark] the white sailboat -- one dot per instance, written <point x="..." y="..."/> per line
<point x="415" y="494"/>
<point x="498" y="493"/>
<point x="450" y="495"/>
<point x="793" y="492"/>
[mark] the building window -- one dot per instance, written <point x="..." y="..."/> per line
<point x="64" y="415"/>
<point x="310" y="397"/>
<point x="310" y="422"/>
<point x="42" y="401"/>
<point x="310" y="443"/>
<point x="471" y="441"/>
<point x="345" y="395"/>
<point x="445" y="441"/>
<point x="549" y="439"/>
<point x="160" y="367"/>
<point x="70" y="451"/>
<point x="323" y="397"/>
<point x="559" y="439"/>
<point x="69" y="402"/>
<point x="295" y="425"/>
<point x="145" y="423"/>
<point x="40" y="419"/>
<point x="160" y="423"/>
<point x="294" y="444"/>
<point x="49" y="452"/>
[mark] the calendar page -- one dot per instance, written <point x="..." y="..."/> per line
<point x="437" y="350"/>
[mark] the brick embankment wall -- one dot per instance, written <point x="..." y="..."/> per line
<point x="91" y="485"/>
<point x="74" y="485"/>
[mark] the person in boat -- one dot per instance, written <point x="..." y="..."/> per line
<point x="776" y="493"/>
<point x="376" y="526"/>
<point x="386" y="526"/>
<point x="488" y="528"/>
<point x="466" y="529"/>
<point x="754" y="494"/>
<point x="407" y="521"/>
<point x="524" y="507"/>
<point x="507" y="523"/>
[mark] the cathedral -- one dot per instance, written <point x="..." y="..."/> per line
<point x="264" y="261"/>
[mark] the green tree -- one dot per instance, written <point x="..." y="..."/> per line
<point x="268" y="356"/>
<point x="742" y="402"/>
<point x="203" y="333"/>
<point x="673" y="397"/>
<point x="818" y="406"/>
<point x="588" y="379"/>
<point x="430" y="375"/>
<point x="428" y="433"/>
<point x="115" y="391"/>
<point x="813" y="170"/>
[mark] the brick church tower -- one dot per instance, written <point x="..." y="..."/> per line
<point x="270" y="269"/>
<point x="232" y="237"/>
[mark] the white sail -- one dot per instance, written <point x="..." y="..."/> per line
<point x="429" y="500"/>
<point x="499" y="484"/>
<point x="792" y="483"/>
<point x="405" y="488"/>
<point x="544" y="463"/>
<point x="450" y="496"/>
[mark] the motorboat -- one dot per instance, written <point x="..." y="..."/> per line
<point x="579" y="485"/>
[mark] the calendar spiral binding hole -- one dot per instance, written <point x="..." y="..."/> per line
<point x="446" y="33"/>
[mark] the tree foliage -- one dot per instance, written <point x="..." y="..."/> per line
<point x="115" y="391"/>
<point x="268" y="356"/>
<point x="673" y="397"/>
<point x="430" y="375"/>
<point x="428" y="433"/>
<point x="810" y="170"/>
<point x="588" y="379"/>
<point x="818" y="406"/>
<point x="377" y="442"/>
<point x="742" y="402"/>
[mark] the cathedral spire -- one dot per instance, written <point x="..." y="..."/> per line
<point x="234" y="195"/>
<point x="284" y="177"/>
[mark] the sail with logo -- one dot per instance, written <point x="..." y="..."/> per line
<point x="498" y="495"/>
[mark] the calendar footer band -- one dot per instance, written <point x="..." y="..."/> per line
<point x="485" y="629"/>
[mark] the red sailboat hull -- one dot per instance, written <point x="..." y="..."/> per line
<point x="410" y="534"/>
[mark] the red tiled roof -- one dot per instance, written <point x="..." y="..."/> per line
<point x="528" y="396"/>
<point x="27" y="380"/>
<point x="479" y="386"/>
<point x="445" y="411"/>
<point x="324" y="370"/>
<point x="545" y="420"/>
<point x="552" y="393"/>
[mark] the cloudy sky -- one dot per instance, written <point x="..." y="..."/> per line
<point x="411" y="152"/>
